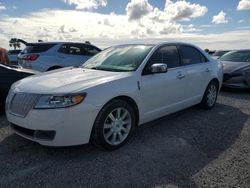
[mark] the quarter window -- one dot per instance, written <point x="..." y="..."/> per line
<point x="190" y="55"/>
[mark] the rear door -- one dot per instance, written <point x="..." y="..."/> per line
<point x="197" y="73"/>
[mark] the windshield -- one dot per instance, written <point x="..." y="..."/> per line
<point x="121" y="58"/>
<point x="237" y="56"/>
<point x="219" y="53"/>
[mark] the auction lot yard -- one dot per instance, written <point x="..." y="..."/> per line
<point x="192" y="148"/>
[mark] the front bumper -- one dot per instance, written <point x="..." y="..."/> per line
<point x="56" y="127"/>
<point x="237" y="80"/>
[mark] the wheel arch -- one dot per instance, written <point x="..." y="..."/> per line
<point x="216" y="80"/>
<point x="131" y="102"/>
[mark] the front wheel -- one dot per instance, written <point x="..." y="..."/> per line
<point x="114" y="125"/>
<point x="210" y="95"/>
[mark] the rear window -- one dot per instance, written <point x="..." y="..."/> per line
<point x="37" y="48"/>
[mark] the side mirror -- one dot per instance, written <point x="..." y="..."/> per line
<point x="158" y="68"/>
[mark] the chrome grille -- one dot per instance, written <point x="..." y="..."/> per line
<point x="21" y="103"/>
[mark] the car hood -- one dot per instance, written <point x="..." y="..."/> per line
<point x="66" y="80"/>
<point x="230" y="67"/>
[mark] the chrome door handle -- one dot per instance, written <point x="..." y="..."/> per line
<point x="180" y="76"/>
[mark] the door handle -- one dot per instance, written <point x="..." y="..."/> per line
<point x="180" y="76"/>
<point x="207" y="70"/>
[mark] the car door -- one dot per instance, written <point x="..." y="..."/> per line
<point x="197" y="73"/>
<point x="160" y="93"/>
<point x="70" y="54"/>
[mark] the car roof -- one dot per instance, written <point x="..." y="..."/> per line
<point x="243" y="50"/>
<point x="60" y="42"/>
<point x="157" y="44"/>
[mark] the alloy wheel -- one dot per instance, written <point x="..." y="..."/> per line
<point x="211" y="95"/>
<point x="117" y="126"/>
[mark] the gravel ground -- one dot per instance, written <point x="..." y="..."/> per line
<point x="192" y="148"/>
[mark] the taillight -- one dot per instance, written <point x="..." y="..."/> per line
<point x="31" y="57"/>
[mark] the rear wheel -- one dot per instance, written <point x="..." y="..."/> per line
<point x="114" y="125"/>
<point x="210" y="95"/>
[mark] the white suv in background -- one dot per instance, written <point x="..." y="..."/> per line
<point x="45" y="56"/>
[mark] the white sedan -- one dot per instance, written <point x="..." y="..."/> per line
<point x="117" y="90"/>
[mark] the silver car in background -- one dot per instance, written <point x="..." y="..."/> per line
<point x="236" y="69"/>
<point x="46" y="56"/>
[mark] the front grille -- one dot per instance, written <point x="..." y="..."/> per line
<point x="21" y="103"/>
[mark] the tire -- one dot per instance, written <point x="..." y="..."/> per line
<point x="210" y="95"/>
<point x="111" y="130"/>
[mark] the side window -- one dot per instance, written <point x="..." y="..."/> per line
<point x="203" y="58"/>
<point x="64" y="49"/>
<point x="71" y="49"/>
<point x="190" y="55"/>
<point x="89" y="50"/>
<point x="167" y="54"/>
<point x="74" y="49"/>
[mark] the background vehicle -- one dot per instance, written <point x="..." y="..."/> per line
<point x="113" y="92"/>
<point x="13" y="55"/>
<point x="218" y="53"/>
<point x="7" y="77"/>
<point x="236" y="68"/>
<point x="45" y="56"/>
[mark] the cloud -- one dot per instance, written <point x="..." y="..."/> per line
<point x="58" y="25"/>
<point x="87" y="4"/>
<point x="220" y="18"/>
<point x="2" y="7"/>
<point x="243" y="5"/>
<point x="183" y="10"/>
<point x="136" y="9"/>
<point x="241" y="21"/>
<point x="173" y="11"/>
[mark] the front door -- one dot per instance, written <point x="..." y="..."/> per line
<point x="161" y="92"/>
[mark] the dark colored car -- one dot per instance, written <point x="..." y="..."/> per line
<point x="236" y="68"/>
<point x="8" y="76"/>
<point x="218" y="53"/>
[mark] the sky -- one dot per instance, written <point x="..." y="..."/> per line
<point x="213" y="24"/>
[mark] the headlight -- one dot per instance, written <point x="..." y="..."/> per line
<point x="59" y="101"/>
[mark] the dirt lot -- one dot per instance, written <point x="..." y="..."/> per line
<point x="192" y="148"/>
